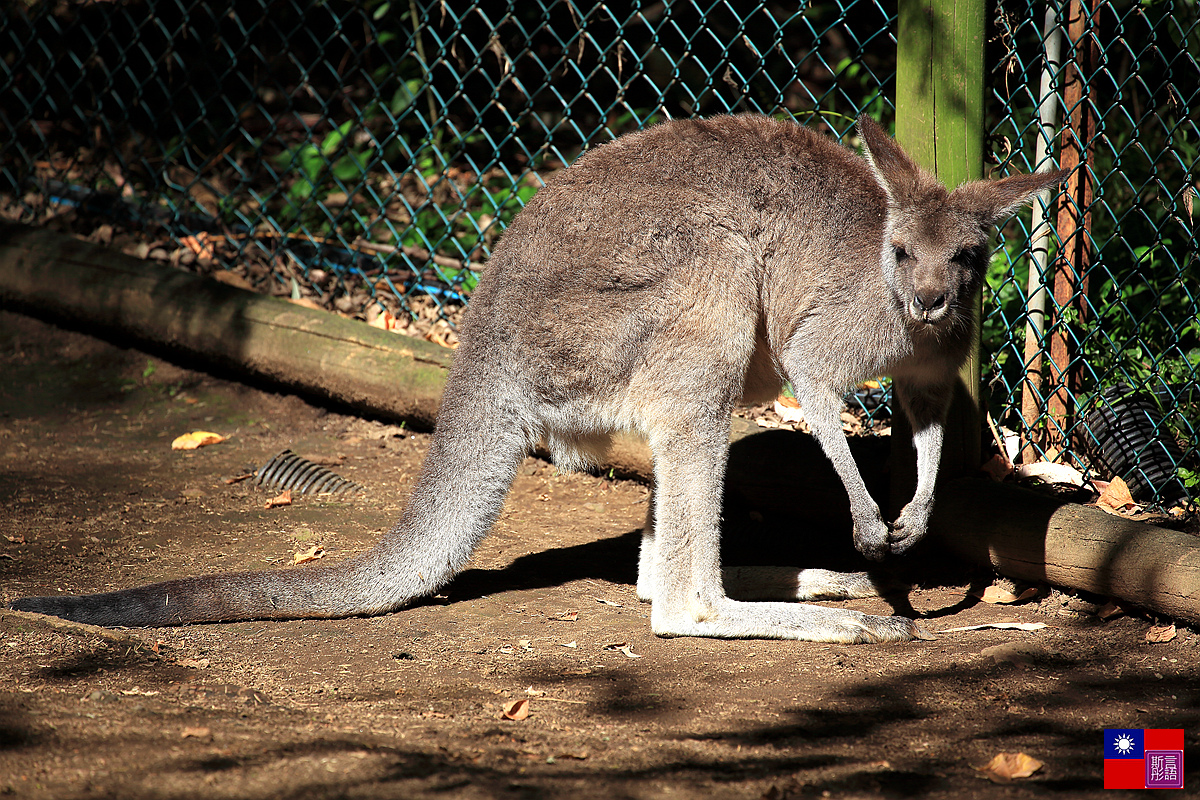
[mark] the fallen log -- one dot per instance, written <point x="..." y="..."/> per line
<point x="1030" y="536"/>
<point x="90" y="288"/>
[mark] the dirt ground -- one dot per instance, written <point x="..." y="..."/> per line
<point x="410" y="705"/>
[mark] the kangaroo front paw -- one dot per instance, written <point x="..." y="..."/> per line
<point x="871" y="537"/>
<point x="909" y="528"/>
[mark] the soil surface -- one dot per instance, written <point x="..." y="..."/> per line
<point x="411" y="704"/>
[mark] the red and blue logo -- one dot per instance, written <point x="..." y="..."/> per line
<point x="1143" y="758"/>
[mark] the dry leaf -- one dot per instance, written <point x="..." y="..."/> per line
<point x="608" y="602"/>
<point x="284" y="498"/>
<point x="517" y="709"/>
<point x="440" y="339"/>
<point x="789" y="410"/>
<point x="194" y="439"/>
<point x="1161" y="633"/>
<point x="1116" y="497"/>
<point x="525" y="645"/>
<point x="567" y="616"/>
<point x="1110" y="610"/>
<point x="307" y="302"/>
<point x="997" y="468"/>
<point x="232" y="279"/>
<point x="239" y="478"/>
<point x="570" y="644"/>
<point x="1046" y="472"/>
<point x="623" y="647"/>
<point x="1005" y="767"/>
<point x="532" y="692"/>
<point x="204" y="734"/>
<point x="387" y="321"/>
<point x="1000" y="626"/>
<point x="200" y="244"/>
<point x="312" y="554"/>
<point x="193" y="663"/>
<point x="997" y="594"/>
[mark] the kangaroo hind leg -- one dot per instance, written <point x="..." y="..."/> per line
<point x="686" y="589"/>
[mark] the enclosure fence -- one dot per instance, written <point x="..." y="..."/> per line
<point x="367" y="155"/>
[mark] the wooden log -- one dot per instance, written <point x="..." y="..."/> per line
<point x="1030" y="536"/>
<point x="314" y="353"/>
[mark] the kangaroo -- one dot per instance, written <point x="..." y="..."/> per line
<point x="649" y="287"/>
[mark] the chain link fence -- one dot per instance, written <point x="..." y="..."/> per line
<point x="363" y="157"/>
<point x="1095" y="340"/>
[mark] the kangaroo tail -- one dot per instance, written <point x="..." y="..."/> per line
<point x="472" y="461"/>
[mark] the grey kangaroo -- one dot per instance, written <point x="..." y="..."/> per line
<point x="647" y="288"/>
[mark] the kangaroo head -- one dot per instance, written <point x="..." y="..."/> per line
<point x="936" y="242"/>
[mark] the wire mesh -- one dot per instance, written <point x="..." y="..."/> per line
<point x="1108" y="377"/>
<point x="366" y="156"/>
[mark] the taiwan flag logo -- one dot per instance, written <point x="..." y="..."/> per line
<point x="1137" y="758"/>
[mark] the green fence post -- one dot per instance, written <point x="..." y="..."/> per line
<point x="939" y="121"/>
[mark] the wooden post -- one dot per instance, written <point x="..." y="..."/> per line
<point x="939" y="122"/>
<point x="1074" y="222"/>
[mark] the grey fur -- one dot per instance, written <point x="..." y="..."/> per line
<point x="652" y="285"/>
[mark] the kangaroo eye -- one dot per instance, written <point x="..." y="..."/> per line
<point x="900" y="252"/>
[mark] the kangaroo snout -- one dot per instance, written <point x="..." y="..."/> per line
<point x="929" y="305"/>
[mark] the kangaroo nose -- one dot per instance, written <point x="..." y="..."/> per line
<point x="928" y="301"/>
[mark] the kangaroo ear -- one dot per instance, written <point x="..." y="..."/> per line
<point x="899" y="176"/>
<point x="993" y="201"/>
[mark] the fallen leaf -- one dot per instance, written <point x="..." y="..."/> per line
<point x="1110" y="610"/>
<point x="517" y="709"/>
<point x="232" y="279"/>
<point x="997" y="594"/>
<point x="567" y="616"/>
<point x="1000" y="626"/>
<point x="204" y="734"/>
<point x="387" y="321"/>
<point x="506" y="649"/>
<point x="239" y="478"/>
<point x="1052" y="473"/>
<point x="441" y="340"/>
<point x="307" y="302"/>
<point x="526" y="646"/>
<point x="201" y="244"/>
<point x="1161" y="633"/>
<point x="16" y="539"/>
<point x="195" y="439"/>
<point x="570" y="644"/>
<point x="532" y="692"/>
<point x="137" y="691"/>
<point x="284" y="498"/>
<point x="997" y="468"/>
<point x="608" y="602"/>
<point x="1116" y="497"/>
<point x="311" y="554"/>
<point x="622" y="647"/>
<point x="1005" y="767"/>
<point x="194" y="663"/>
<point x="789" y="410"/>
